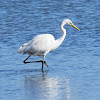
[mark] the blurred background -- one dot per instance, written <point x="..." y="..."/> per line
<point x="73" y="72"/>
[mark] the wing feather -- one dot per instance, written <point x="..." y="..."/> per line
<point x="39" y="45"/>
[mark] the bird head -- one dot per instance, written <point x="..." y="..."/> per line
<point x="69" y="22"/>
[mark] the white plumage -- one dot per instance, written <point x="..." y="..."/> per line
<point x="40" y="45"/>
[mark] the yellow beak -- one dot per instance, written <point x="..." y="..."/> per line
<point x="75" y="27"/>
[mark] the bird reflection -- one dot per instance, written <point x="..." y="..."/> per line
<point x="46" y="88"/>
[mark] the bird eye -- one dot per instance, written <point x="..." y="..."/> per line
<point x="71" y="23"/>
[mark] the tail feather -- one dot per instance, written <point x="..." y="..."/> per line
<point x="22" y="48"/>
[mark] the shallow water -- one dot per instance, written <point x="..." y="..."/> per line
<point x="73" y="72"/>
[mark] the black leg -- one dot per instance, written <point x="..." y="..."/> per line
<point x="26" y="59"/>
<point x="35" y="61"/>
<point x="42" y="66"/>
<point x="43" y="62"/>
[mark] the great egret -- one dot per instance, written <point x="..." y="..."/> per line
<point x="42" y="44"/>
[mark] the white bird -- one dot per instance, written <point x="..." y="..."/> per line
<point x="42" y="44"/>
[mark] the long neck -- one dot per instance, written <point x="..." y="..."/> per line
<point x="60" y="40"/>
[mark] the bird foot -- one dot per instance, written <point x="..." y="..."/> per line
<point x="45" y="64"/>
<point x="24" y="62"/>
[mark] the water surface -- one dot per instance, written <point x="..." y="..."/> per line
<point x="73" y="72"/>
